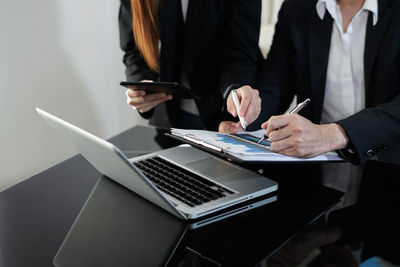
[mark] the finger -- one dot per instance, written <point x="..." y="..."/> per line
<point x="292" y="152"/>
<point x="280" y="134"/>
<point x="276" y="122"/>
<point x="223" y="127"/>
<point x="227" y="127"/>
<point x="264" y="125"/>
<point x="135" y="101"/>
<point x="134" y="93"/>
<point x="145" y="109"/>
<point x="239" y="127"/>
<point x="149" y="105"/>
<point x="231" y="106"/>
<point x="281" y="145"/>
<point x="294" y="149"/>
<point x="254" y="110"/>
<point x="245" y="99"/>
<point x="141" y="105"/>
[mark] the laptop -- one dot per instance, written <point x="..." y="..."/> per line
<point x="183" y="180"/>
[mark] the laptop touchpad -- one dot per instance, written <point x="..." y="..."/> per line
<point x="212" y="167"/>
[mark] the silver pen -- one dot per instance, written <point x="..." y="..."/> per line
<point x="294" y="110"/>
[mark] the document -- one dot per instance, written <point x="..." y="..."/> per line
<point x="242" y="146"/>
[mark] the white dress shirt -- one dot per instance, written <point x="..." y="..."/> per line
<point x="345" y="87"/>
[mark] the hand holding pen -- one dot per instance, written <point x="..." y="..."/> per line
<point x="245" y="103"/>
<point x="237" y="105"/>
<point x="294" y="135"/>
<point x="295" y="110"/>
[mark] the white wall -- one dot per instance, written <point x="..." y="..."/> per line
<point x="64" y="57"/>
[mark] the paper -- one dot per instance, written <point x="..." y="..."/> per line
<point x="243" y="145"/>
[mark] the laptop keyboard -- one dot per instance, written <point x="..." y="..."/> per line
<point x="181" y="184"/>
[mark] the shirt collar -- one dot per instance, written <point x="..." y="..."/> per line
<point x="324" y="5"/>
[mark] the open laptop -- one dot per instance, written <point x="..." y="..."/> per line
<point x="185" y="181"/>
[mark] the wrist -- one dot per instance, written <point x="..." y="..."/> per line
<point x="340" y="139"/>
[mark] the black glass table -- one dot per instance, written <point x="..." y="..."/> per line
<point x="116" y="227"/>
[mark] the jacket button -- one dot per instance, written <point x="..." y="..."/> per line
<point x="370" y="153"/>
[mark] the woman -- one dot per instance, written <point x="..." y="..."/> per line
<point x="205" y="45"/>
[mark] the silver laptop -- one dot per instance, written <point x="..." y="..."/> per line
<point x="183" y="180"/>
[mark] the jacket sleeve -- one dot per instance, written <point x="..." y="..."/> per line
<point x="136" y="67"/>
<point x="373" y="131"/>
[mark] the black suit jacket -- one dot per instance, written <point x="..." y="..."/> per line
<point x="297" y="64"/>
<point x="217" y="46"/>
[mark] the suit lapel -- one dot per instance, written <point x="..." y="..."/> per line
<point x="373" y="39"/>
<point x="319" y="45"/>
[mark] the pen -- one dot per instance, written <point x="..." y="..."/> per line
<point x="237" y="105"/>
<point x="299" y="106"/>
<point x="294" y="110"/>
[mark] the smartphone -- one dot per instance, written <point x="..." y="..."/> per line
<point x="172" y="88"/>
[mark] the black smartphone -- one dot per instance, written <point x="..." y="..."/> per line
<point x="172" y="88"/>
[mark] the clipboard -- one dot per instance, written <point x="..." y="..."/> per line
<point x="207" y="147"/>
<point x="262" y="152"/>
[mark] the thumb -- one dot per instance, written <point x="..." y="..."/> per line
<point x="264" y="125"/>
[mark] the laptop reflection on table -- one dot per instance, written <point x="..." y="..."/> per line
<point x="118" y="228"/>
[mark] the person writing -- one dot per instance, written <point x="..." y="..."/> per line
<point x="202" y="44"/>
<point x="345" y="56"/>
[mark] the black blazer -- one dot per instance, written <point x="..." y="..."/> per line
<point x="297" y="64"/>
<point x="217" y="46"/>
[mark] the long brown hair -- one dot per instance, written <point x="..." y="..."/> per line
<point x="146" y="31"/>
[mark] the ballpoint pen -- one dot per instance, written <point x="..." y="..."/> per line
<point x="237" y="105"/>
<point x="294" y="110"/>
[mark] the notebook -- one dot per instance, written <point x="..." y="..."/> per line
<point x="241" y="147"/>
<point x="183" y="180"/>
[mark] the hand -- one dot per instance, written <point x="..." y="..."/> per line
<point x="250" y="104"/>
<point x="294" y="135"/>
<point x="143" y="102"/>
<point x="230" y="127"/>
